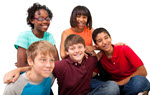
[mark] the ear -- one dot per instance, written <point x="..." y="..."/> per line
<point x="30" y="62"/>
<point x="32" y="21"/>
<point x="67" y="52"/>
<point x="96" y="45"/>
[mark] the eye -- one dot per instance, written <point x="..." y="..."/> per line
<point x="84" y="17"/>
<point x="72" y="48"/>
<point x="106" y="37"/>
<point x="47" y="19"/>
<point x="52" y="60"/>
<point x="43" y="60"/>
<point x="80" y="46"/>
<point x="99" y="40"/>
<point x="41" y="19"/>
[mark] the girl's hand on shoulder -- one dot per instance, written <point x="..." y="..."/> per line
<point x="11" y="76"/>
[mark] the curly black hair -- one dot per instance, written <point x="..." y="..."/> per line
<point x="31" y="11"/>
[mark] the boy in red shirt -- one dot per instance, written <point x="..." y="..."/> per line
<point x="122" y="64"/>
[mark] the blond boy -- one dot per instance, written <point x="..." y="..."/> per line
<point x="36" y="81"/>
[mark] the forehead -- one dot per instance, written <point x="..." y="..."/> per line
<point x="45" y="55"/>
<point x="41" y="12"/>
<point x="101" y="35"/>
<point x="78" y="44"/>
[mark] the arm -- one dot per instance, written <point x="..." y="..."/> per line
<point x="139" y="71"/>
<point x="57" y="56"/>
<point x="21" y="57"/>
<point x="90" y="49"/>
<point x="13" y="75"/>
<point x="134" y="61"/>
<point x="62" y="48"/>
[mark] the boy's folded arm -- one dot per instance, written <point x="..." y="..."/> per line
<point x="13" y="75"/>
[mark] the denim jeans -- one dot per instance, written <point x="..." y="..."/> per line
<point x="133" y="87"/>
<point x="103" y="87"/>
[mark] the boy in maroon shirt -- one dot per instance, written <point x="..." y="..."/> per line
<point x="75" y="72"/>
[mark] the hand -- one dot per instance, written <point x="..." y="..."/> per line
<point x="99" y="55"/>
<point x="11" y="76"/>
<point x="120" y="44"/>
<point x="89" y="49"/>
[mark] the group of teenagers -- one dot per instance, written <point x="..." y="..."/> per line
<point x="114" y="70"/>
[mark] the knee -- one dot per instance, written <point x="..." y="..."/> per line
<point x="113" y="88"/>
<point x="139" y="83"/>
<point x="139" y="80"/>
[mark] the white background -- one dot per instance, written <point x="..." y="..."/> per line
<point x="127" y="21"/>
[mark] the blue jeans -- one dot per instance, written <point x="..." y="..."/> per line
<point x="103" y="87"/>
<point x="135" y="85"/>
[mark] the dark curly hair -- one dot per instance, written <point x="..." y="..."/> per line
<point x="31" y="11"/>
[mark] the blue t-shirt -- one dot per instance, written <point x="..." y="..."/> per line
<point x="25" y="39"/>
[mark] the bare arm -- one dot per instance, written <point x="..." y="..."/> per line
<point x="57" y="57"/>
<point x="21" y="57"/>
<point x="62" y="48"/>
<point x="140" y="71"/>
<point x="13" y="75"/>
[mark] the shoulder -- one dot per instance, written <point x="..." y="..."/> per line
<point x="25" y="33"/>
<point x="67" y="31"/>
<point x="92" y="59"/>
<point x="48" y="34"/>
<point x="16" y="87"/>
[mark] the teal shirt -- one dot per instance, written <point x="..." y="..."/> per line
<point x="25" y="39"/>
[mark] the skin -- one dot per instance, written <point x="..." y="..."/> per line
<point x="39" y="28"/>
<point x="76" y="52"/>
<point x="41" y="67"/>
<point x="103" y="42"/>
<point x="82" y="20"/>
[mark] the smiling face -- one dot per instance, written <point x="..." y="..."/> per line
<point x="76" y="52"/>
<point x="42" y="66"/>
<point x="40" y="26"/>
<point x="81" y="21"/>
<point x="103" y="42"/>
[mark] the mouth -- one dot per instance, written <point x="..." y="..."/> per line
<point x="47" y="70"/>
<point x="106" y="46"/>
<point x="44" y="26"/>
<point x="81" y="24"/>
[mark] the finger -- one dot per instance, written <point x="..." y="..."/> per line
<point x="15" y="78"/>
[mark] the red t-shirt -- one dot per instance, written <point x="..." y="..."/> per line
<point x="122" y="64"/>
<point x="74" y="78"/>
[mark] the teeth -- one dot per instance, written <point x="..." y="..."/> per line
<point x="105" y="46"/>
<point x="44" y="26"/>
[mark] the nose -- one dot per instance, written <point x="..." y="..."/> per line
<point x="45" y="21"/>
<point x="104" y="41"/>
<point x="48" y="64"/>
<point x="76" y="50"/>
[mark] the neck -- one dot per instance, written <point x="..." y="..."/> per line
<point x="37" y="33"/>
<point x="109" y="53"/>
<point x="77" y="30"/>
<point x="32" y="76"/>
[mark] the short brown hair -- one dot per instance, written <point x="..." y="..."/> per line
<point x="73" y="39"/>
<point x="80" y="10"/>
<point x="42" y="47"/>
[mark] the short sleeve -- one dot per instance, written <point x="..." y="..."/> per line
<point x="9" y="90"/>
<point x="132" y="57"/>
<point x="22" y="41"/>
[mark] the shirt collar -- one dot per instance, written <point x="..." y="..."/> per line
<point x="70" y="61"/>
